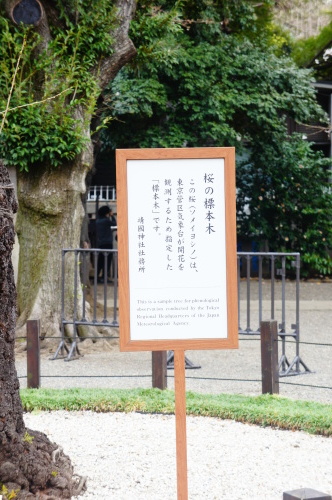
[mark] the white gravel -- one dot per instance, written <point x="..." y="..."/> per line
<point x="132" y="456"/>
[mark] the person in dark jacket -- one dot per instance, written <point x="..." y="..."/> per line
<point x="104" y="232"/>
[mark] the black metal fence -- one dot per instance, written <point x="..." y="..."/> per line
<point x="80" y="289"/>
<point x="96" y="304"/>
<point x="273" y="268"/>
<point x="263" y="287"/>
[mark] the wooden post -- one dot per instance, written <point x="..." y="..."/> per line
<point x="180" y="419"/>
<point x="159" y="369"/>
<point x="33" y="354"/>
<point x="269" y="354"/>
<point x="145" y="287"/>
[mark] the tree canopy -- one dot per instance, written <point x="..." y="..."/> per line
<point x="46" y="75"/>
<point x="205" y="74"/>
<point x="219" y="75"/>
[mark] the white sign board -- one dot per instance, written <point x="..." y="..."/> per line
<point x="175" y="238"/>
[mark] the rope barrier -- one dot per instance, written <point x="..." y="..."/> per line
<point x="220" y="379"/>
<point x="91" y="376"/>
<point x="172" y="376"/>
<point x="307" y="385"/>
<point x="316" y="343"/>
<point x="117" y="337"/>
<point x="69" y="339"/>
<point x="250" y="339"/>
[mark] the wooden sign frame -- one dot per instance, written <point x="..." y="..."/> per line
<point x="131" y="163"/>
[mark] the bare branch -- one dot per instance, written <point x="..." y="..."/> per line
<point x="12" y="86"/>
<point x="35" y="102"/>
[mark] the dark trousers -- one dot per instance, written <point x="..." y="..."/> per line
<point x="102" y="258"/>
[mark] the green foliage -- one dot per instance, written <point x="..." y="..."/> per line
<point x="52" y="83"/>
<point x="263" y="410"/>
<point x="7" y="494"/>
<point x="28" y="438"/>
<point x="198" y="80"/>
<point x="149" y="95"/>
<point x="304" y="51"/>
<point x="87" y="35"/>
<point x="210" y="96"/>
<point x="57" y="140"/>
<point x="284" y="197"/>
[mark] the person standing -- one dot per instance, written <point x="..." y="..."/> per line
<point x="104" y="232"/>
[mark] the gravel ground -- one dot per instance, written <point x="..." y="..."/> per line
<point x="132" y="456"/>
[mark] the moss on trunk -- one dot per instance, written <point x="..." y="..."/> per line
<point x="49" y="219"/>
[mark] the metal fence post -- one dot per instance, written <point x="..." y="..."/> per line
<point x="33" y="354"/>
<point x="269" y="353"/>
<point x="159" y="369"/>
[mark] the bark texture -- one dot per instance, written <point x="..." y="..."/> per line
<point x="50" y="200"/>
<point x="30" y="465"/>
<point x="124" y="48"/>
<point x="50" y="219"/>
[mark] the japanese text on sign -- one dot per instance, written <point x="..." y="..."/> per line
<point x="177" y="252"/>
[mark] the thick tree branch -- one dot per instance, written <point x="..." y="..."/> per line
<point x="124" y="48"/>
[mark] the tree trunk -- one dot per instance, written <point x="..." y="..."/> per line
<point x="50" y="219"/>
<point x="30" y="465"/>
<point x="50" y="199"/>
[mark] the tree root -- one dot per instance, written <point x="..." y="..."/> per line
<point x="56" y="454"/>
<point x="38" y="468"/>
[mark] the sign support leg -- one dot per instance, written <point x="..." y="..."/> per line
<point x="180" y="421"/>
